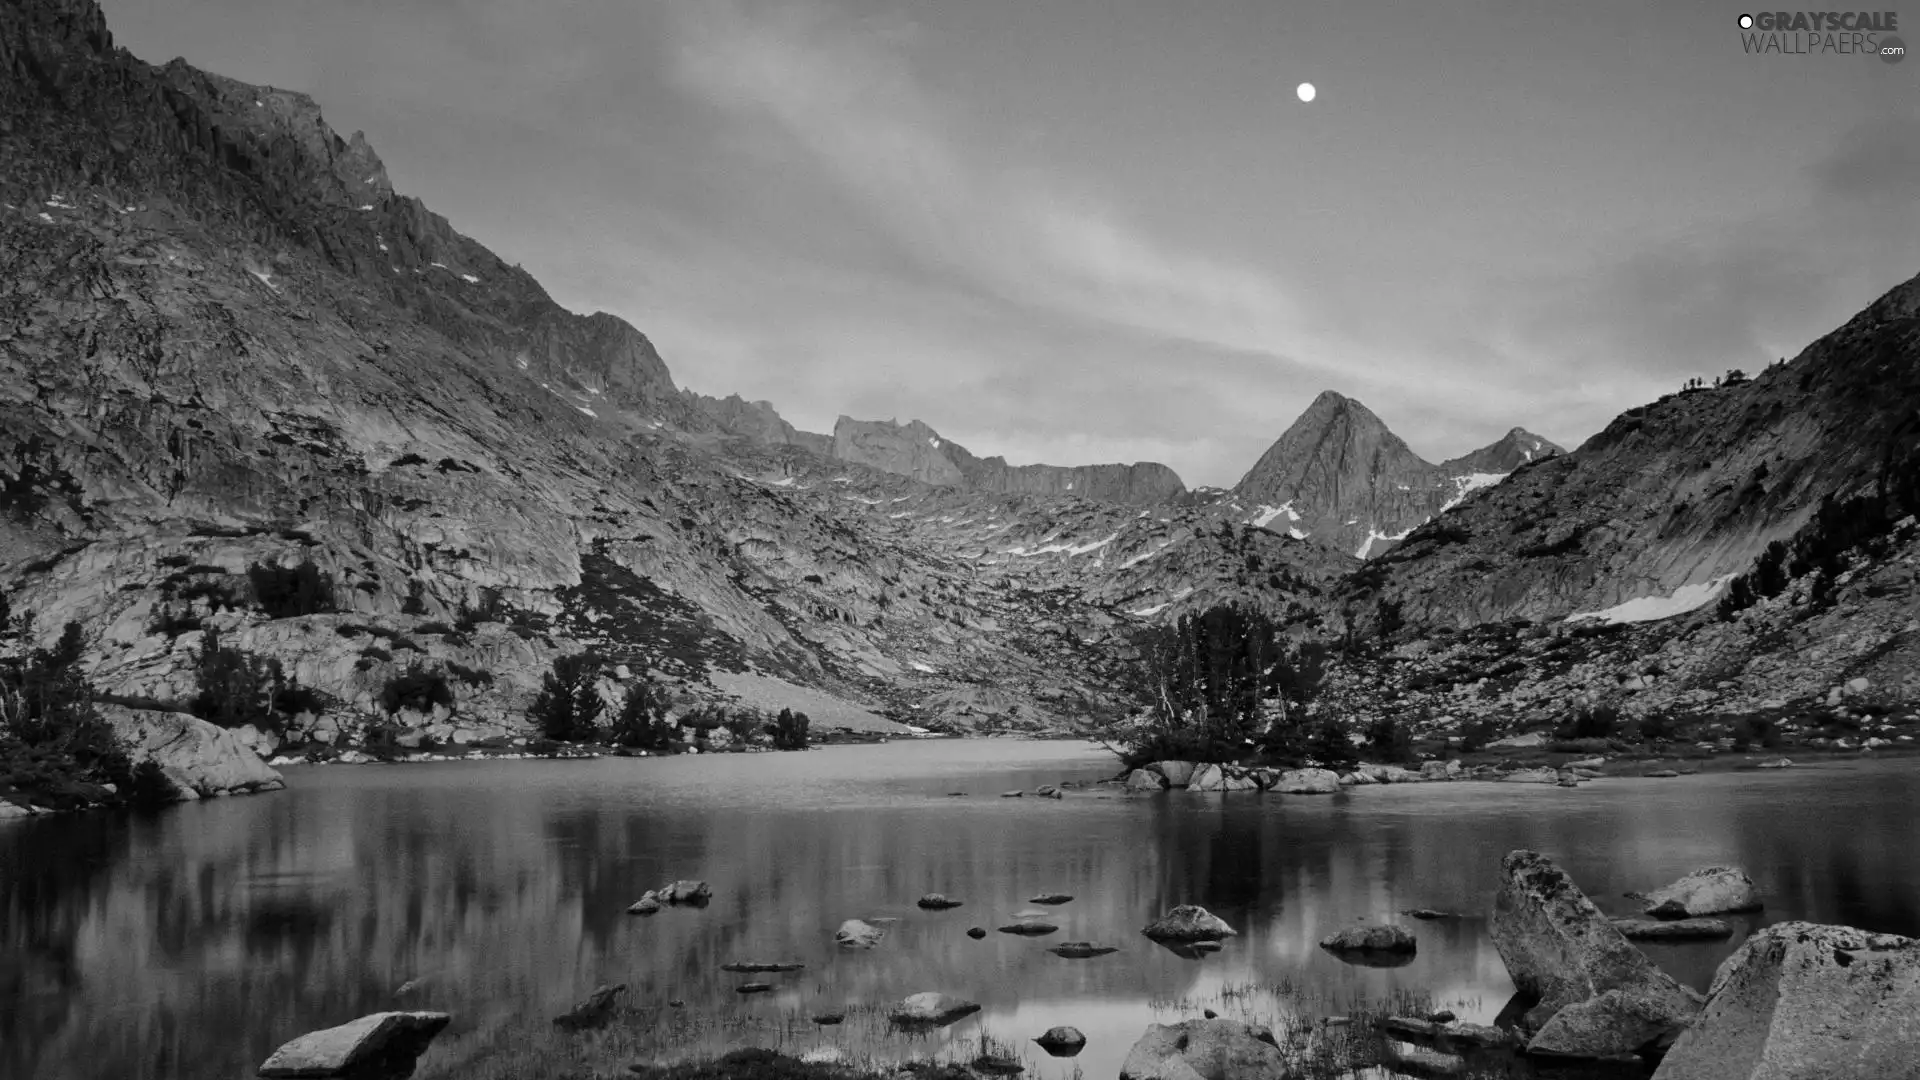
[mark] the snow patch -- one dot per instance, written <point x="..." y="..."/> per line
<point x="265" y="279"/>
<point x="469" y="279"/>
<point x="46" y="217"/>
<point x="368" y="206"/>
<point x="586" y="410"/>
<point x="1268" y="513"/>
<point x="1148" y="612"/>
<point x="918" y="666"/>
<point x="785" y="481"/>
<point x="1145" y="555"/>
<point x="1374" y="534"/>
<point x="1468" y="484"/>
<point x="933" y="442"/>
<point x="1296" y="533"/>
<point x="1650" y="608"/>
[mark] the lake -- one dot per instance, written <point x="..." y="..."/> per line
<point x="191" y="943"/>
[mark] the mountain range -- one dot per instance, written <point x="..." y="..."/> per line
<point x="228" y="348"/>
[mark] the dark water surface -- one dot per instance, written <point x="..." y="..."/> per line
<point x="190" y="944"/>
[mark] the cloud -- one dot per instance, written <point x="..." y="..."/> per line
<point x="842" y="90"/>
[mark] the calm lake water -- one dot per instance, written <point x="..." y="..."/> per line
<point x="190" y="944"/>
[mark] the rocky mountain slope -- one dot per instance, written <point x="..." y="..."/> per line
<point x="916" y="450"/>
<point x="229" y="350"/>
<point x="1673" y="495"/>
<point x="1340" y="476"/>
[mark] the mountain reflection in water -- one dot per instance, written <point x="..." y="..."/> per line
<point x="192" y="943"/>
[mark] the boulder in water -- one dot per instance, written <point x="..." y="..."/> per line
<point x="1062" y="1041"/>
<point x="1081" y="950"/>
<point x="382" y="1044"/>
<point x="937" y="902"/>
<point x="1673" y="929"/>
<point x="858" y="934"/>
<point x="1188" y="922"/>
<point x="1712" y="891"/>
<point x="1029" y="929"/>
<point x="1146" y="780"/>
<point x="1306" y="782"/>
<point x="593" y="1012"/>
<point x="1054" y="898"/>
<point x="1373" y="937"/>
<point x="1561" y="951"/>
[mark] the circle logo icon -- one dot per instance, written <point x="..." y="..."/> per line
<point x="1892" y="50"/>
<point x="1746" y="22"/>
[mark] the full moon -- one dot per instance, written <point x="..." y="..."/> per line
<point x="1305" y="90"/>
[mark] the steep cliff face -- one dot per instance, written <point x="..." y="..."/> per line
<point x="918" y="451"/>
<point x="1340" y="476"/>
<point x="1678" y="493"/>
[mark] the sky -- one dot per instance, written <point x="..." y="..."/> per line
<point x="1078" y="231"/>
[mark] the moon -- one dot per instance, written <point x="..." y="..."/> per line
<point x="1305" y="91"/>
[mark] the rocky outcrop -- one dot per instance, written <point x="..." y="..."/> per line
<point x="202" y="760"/>
<point x="1210" y="1049"/>
<point x="1807" y="1002"/>
<point x="1714" y="890"/>
<point x="1673" y="494"/>
<point x="1596" y="995"/>
<point x="383" y="1045"/>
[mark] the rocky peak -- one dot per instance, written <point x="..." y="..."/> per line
<point x="1507" y="453"/>
<point x="1339" y="475"/>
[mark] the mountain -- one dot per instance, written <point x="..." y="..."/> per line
<point x="235" y="358"/>
<point x="1338" y="475"/>
<point x="1676" y="494"/>
<point x="918" y="451"/>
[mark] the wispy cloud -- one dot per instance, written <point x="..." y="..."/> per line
<point x="842" y="90"/>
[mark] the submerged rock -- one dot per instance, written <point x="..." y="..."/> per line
<point x="1710" y="891"/>
<point x="383" y="1045"/>
<point x="931" y="1009"/>
<point x="646" y="905"/>
<point x="1188" y="922"/>
<point x="1029" y="929"/>
<point x="937" y="902"/>
<point x="593" y="1012"/>
<point x="1081" y="950"/>
<point x="752" y="967"/>
<point x="1205" y="1050"/>
<point x="1562" y="952"/>
<point x="1054" y="898"/>
<point x="976" y="932"/>
<point x="1803" y="1000"/>
<point x="1673" y="929"/>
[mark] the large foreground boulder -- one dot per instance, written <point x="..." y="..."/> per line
<point x="1178" y="773"/>
<point x="1188" y="922"/>
<point x="1146" y="780"/>
<point x="198" y="757"/>
<point x="1212" y="1049"/>
<point x="382" y="1046"/>
<point x="1802" y="1001"/>
<point x="1561" y="951"/>
<point x="1712" y="891"/>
